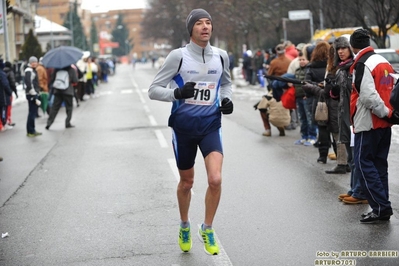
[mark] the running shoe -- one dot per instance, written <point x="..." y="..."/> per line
<point x="185" y="241"/>
<point x="208" y="237"/>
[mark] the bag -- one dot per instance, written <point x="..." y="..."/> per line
<point x="321" y="113"/>
<point x="263" y="104"/>
<point x="61" y="81"/>
<point x="394" y="99"/>
<point x="288" y="98"/>
<point x="278" y="115"/>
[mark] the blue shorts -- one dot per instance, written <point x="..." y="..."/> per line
<point x="185" y="147"/>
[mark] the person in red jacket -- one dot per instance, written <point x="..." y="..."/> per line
<point x="370" y="110"/>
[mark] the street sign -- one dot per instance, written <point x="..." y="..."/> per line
<point x="299" y="14"/>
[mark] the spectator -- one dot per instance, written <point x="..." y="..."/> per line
<point x="341" y="88"/>
<point x="32" y="91"/>
<point x="43" y="84"/>
<point x="302" y="105"/>
<point x="258" y="62"/>
<point x="5" y="98"/>
<point x="369" y="110"/>
<point x="8" y="69"/>
<point x="63" y="94"/>
<point x="290" y="50"/>
<point x="315" y="78"/>
<point x="247" y="66"/>
<point x="278" y="67"/>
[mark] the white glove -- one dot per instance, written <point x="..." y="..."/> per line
<point x="32" y="92"/>
<point x="38" y="102"/>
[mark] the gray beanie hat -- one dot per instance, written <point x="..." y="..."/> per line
<point x="194" y="16"/>
<point x="341" y="42"/>
<point x="360" y="39"/>
<point x="33" y="59"/>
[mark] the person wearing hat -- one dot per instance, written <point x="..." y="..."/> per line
<point x="201" y="92"/>
<point x="278" y="66"/>
<point x="369" y="110"/>
<point x="32" y="91"/>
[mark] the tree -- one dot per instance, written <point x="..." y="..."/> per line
<point x="120" y="34"/>
<point x="93" y="37"/>
<point x="382" y="13"/>
<point x="73" y="23"/>
<point x="31" y="47"/>
<point x="259" y="23"/>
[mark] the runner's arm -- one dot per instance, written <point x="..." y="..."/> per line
<point x="159" y="88"/>
<point x="225" y="84"/>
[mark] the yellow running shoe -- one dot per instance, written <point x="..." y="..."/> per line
<point x="185" y="241"/>
<point x="208" y="237"/>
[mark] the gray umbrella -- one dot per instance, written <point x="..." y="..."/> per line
<point x="61" y="57"/>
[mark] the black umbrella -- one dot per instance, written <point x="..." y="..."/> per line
<point x="61" y="57"/>
<point x="284" y="79"/>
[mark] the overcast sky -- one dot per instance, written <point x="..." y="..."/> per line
<point x="104" y="5"/>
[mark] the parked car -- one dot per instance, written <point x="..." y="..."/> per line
<point x="391" y="55"/>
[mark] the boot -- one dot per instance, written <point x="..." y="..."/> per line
<point x="282" y="131"/>
<point x="339" y="169"/>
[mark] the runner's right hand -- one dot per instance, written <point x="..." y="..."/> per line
<point x="187" y="91"/>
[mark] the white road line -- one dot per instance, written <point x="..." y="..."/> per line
<point x="172" y="164"/>
<point x="126" y="91"/>
<point x="153" y="122"/>
<point x="161" y="139"/>
<point x="222" y="259"/>
<point x="146" y="108"/>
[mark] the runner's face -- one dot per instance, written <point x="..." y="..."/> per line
<point x="202" y="32"/>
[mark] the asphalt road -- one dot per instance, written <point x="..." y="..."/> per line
<point x="103" y="193"/>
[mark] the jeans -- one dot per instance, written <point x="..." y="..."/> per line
<point x="304" y="110"/>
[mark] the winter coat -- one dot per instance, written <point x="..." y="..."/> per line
<point x="11" y="79"/>
<point x="324" y="92"/>
<point x="42" y="78"/>
<point x="300" y="75"/>
<point x="31" y="81"/>
<point x="315" y="73"/>
<point x="5" y="90"/>
<point x="372" y="88"/>
<point x="343" y="83"/>
<point x="73" y="78"/>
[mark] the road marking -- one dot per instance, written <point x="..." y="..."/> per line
<point x="153" y="122"/>
<point x="173" y="167"/>
<point x="161" y="139"/>
<point x="172" y="164"/>
<point x="146" y="108"/>
<point x="126" y="91"/>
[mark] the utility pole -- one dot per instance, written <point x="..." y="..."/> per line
<point x="5" y="30"/>
<point x="321" y="14"/>
<point x="71" y="22"/>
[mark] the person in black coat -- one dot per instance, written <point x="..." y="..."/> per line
<point x="63" y="95"/>
<point x="8" y="69"/>
<point x="315" y="87"/>
<point x="5" y="98"/>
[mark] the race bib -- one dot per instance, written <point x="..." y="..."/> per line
<point x="204" y="94"/>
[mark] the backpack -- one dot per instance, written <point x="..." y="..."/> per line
<point x="394" y="99"/>
<point x="61" y="80"/>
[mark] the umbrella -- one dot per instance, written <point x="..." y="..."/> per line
<point x="285" y="79"/>
<point x="61" y="57"/>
